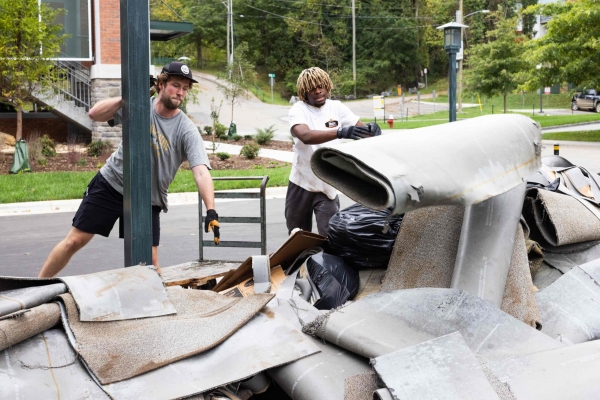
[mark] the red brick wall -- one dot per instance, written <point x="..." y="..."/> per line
<point x="110" y="32"/>
<point x="56" y="128"/>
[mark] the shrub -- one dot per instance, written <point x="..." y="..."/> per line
<point x="48" y="146"/>
<point x="208" y="130"/>
<point x="73" y="154"/>
<point x="248" y="137"/>
<point x="99" y="165"/>
<point x="82" y="162"/>
<point x="42" y="161"/>
<point x="223" y="156"/>
<point x="34" y="146"/>
<point x="250" y="151"/>
<point x="264" y="136"/>
<point x="98" y="147"/>
<point x="220" y="130"/>
<point x="236" y="137"/>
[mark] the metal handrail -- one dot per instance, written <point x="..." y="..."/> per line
<point x="74" y="83"/>
<point x="262" y="220"/>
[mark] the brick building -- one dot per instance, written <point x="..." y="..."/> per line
<point x="91" y="61"/>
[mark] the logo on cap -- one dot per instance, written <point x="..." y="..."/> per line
<point x="185" y="69"/>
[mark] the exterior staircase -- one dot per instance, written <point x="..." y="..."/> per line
<point x="70" y="97"/>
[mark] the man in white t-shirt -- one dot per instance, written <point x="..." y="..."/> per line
<point x="315" y="120"/>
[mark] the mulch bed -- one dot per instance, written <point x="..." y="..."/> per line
<point x="63" y="162"/>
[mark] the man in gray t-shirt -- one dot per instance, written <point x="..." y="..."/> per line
<point x="174" y="139"/>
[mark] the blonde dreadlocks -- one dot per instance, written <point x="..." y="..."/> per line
<point x="310" y="79"/>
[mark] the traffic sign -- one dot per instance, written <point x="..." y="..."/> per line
<point x="271" y="75"/>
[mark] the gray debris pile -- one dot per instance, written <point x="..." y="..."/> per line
<point x="491" y="291"/>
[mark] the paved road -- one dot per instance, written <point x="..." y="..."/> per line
<point x="28" y="239"/>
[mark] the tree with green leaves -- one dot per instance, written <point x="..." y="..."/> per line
<point x="28" y="41"/>
<point x="240" y="76"/>
<point x="495" y="66"/>
<point x="570" y="49"/>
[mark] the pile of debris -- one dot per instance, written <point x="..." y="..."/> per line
<point x="468" y="278"/>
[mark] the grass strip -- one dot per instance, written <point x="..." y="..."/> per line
<point x="441" y="117"/>
<point x="43" y="186"/>
<point x="579" y="136"/>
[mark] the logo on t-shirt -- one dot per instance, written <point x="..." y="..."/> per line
<point x="331" y="124"/>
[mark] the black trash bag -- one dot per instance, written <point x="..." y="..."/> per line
<point x="335" y="281"/>
<point x="357" y="235"/>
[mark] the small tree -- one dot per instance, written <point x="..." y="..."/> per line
<point x="28" y="41"/>
<point x="570" y="49"/>
<point x="495" y="66"/>
<point x="240" y="77"/>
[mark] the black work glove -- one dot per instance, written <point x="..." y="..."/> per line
<point x="212" y="222"/>
<point x="359" y="132"/>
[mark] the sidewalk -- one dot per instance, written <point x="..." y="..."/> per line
<point x="234" y="149"/>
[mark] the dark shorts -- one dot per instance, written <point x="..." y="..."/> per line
<point x="300" y="204"/>
<point x="100" y="208"/>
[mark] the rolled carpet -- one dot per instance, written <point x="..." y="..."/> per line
<point x="27" y="325"/>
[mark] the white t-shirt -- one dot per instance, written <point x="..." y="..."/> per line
<point x="331" y="115"/>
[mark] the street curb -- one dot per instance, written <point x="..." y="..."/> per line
<point x="175" y="199"/>
<point x="568" y="125"/>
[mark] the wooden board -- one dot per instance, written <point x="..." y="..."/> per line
<point x="196" y="273"/>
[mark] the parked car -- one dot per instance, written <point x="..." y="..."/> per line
<point x="588" y="100"/>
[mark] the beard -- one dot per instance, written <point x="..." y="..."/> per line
<point x="168" y="103"/>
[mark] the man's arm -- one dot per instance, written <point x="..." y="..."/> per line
<point x="205" y="185"/>
<point x="105" y="109"/>
<point x="310" y="136"/>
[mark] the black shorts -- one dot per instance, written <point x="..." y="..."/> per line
<point x="100" y="208"/>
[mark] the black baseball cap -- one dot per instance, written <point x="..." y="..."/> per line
<point x="178" y="68"/>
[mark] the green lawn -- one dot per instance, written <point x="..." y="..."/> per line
<point x="580" y="136"/>
<point x="441" y="117"/>
<point x="71" y="185"/>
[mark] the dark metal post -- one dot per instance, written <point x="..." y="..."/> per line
<point x="541" y="99"/>
<point x="452" y="91"/>
<point x="135" y="65"/>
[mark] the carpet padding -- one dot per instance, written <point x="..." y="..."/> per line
<point x="27" y="325"/>
<point x="118" y="350"/>
<point x="425" y="250"/>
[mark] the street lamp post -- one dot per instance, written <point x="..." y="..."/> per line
<point x="460" y="19"/>
<point x="452" y="34"/>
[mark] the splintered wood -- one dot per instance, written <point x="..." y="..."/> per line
<point x="196" y="273"/>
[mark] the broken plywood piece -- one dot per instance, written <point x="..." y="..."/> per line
<point x="442" y="368"/>
<point x="196" y="273"/>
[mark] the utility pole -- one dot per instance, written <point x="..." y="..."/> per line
<point x="231" y="26"/>
<point x="228" y="22"/>
<point x="354" y="47"/>
<point x="460" y="62"/>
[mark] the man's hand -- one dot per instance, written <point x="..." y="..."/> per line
<point x="359" y="132"/>
<point x="212" y="221"/>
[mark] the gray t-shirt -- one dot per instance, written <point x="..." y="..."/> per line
<point x="174" y="140"/>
